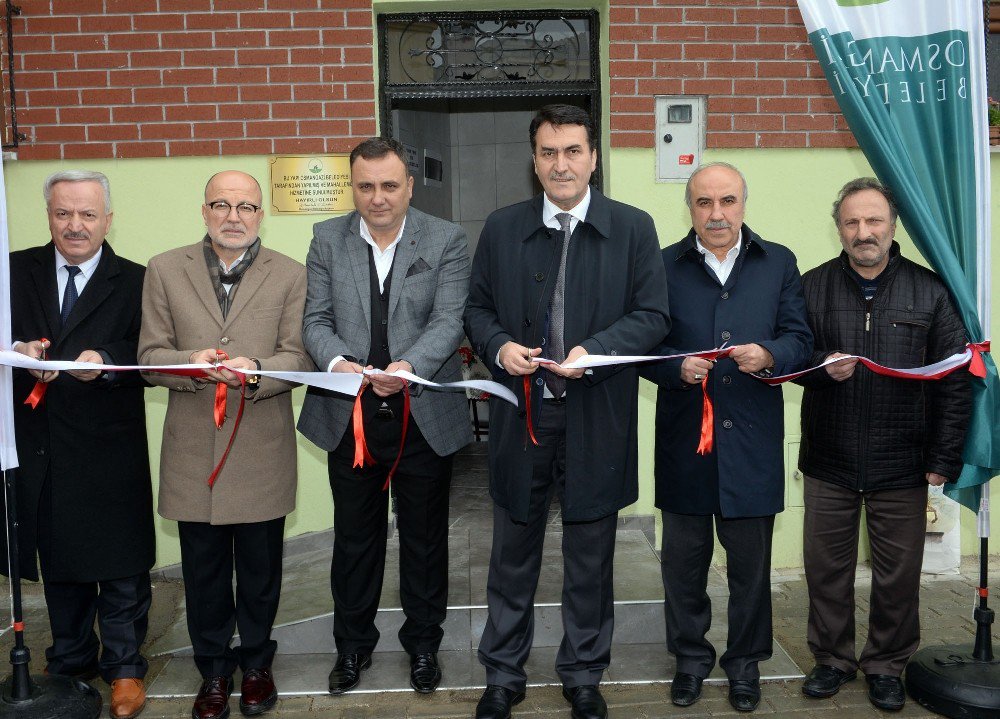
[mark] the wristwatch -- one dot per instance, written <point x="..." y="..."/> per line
<point x="253" y="380"/>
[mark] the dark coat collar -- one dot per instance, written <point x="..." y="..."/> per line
<point x="598" y="215"/>
<point x="688" y="248"/>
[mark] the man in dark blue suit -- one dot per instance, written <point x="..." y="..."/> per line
<point x="727" y="285"/>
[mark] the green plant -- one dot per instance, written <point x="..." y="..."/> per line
<point x="993" y="111"/>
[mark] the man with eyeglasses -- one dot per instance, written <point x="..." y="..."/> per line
<point x="228" y="299"/>
<point x="387" y="286"/>
<point x="85" y="505"/>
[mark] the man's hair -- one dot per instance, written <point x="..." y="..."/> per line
<point x="562" y="115"/>
<point x="700" y="168"/>
<point x="77" y="176"/>
<point x="860" y="185"/>
<point x="375" y="148"/>
<point x="259" y="190"/>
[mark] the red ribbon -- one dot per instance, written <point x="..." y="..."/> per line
<point x="977" y="366"/>
<point x="707" y="439"/>
<point x="221" y="389"/>
<point x="362" y="456"/>
<point x="38" y="391"/>
<point x="527" y="409"/>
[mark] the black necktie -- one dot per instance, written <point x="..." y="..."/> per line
<point x="557" y="313"/>
<point x="70" y="296"/>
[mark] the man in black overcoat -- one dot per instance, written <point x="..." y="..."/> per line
<point x="728" y="286"/>
<point x="84" y="501"/>
<point x="563" y="275"/>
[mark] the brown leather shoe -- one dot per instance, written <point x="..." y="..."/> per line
<point x="257" y="692"/>
<point x="212" y="701"/>
<point x="128" y="698"/>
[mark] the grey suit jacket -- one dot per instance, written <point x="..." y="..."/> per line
<point x="430" y="284"/>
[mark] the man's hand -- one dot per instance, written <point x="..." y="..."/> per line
<point x="384" y="386"/>
<point x="352" y="367"/>
<point x="751" y="358"/>
<point x="574" y="354"/>
<point x="936" y="480"/>
<point x="516" y="359"/>
<point x="695" y="369"/>
<point x="232" y="378"/>
<point x="841" y="371"/>
<point x="36" y="350"/>
<point x="209" y="356"/>
<point x="87" y="375"/>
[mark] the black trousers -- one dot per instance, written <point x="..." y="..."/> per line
<point x="208" y="554"/>
<point x="360" y="526"/>
<point x="121" y="608"/>
<point x="687" y="554"/>
<point x="515" y="562"/>
<point x="896" y="520"/>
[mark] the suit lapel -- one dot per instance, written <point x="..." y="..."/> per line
<point x="197" y="273"/>
<point x="405" y="251"/>
<point x="98" y="288"/>
<point x="357" y="252"/>
<point x="252" y="280"/>
<point x="43" y="275"/>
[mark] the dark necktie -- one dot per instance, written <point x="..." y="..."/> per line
<point x="557" y="313"/>
<point x="70" y="296"/>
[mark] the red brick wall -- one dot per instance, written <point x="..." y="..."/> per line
<point x="158" y="78"/>
<point x="750" y="57"/>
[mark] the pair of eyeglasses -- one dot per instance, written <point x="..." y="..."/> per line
<point x="245" y="210"/>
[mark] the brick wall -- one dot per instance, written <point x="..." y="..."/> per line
<point x="159" y="78"/>
<point x="750" y="57"/>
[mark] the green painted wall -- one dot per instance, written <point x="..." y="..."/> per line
<point x="157" y="207"/>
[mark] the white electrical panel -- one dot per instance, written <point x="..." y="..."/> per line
<point x="680" y="136"/>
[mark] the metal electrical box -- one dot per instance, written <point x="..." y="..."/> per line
<point x="680" y="136"/>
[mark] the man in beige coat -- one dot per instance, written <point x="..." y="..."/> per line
<point x="228" y="298"/>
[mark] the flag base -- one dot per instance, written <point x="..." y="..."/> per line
<point x="950" y="681"/>
<point x="51" y="697"/>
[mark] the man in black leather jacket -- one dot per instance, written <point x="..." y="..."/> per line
<point x="874" y="441"/>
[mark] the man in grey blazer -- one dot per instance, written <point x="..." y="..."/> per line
<point x="387" y="285"/>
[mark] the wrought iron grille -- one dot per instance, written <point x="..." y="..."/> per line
<point x="8" y="105"/>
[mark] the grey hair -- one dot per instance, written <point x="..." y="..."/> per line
<point x="861" y="184"/>
<point x="743" y="179"/>
<point x="78" y="176"/>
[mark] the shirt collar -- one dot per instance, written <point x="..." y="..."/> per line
<point x="733" y="251"/>
<point x="550" y="210"/>
<point x="86" y="268"/>
<point x="366" y="235"/>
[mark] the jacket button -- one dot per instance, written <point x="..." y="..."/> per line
<point x="614" y="353"/>
<point x="385" y="346"/>
<point x="539" y="381"/>
<point x="527" y="322"/>
<point x="726" y="335"/>
<point x="385" y="322"/>
<point x="727" y="380"/>
<point x="40" y="451"/>
<point x="725" y="295"/>
<point x="224" y="340"/>
<point x="727" y="424"/>
<point x="539" y="276"/>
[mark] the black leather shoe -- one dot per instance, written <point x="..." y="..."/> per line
<point x="212" y="701"/>
<point x="886" y="692"/>
<point x="496" y="701"/>
<point x="825" y="681"/>
<point x="425" y="674"/>
<point x="257" y="692"/>
<point x="346" y="672"/>
<point x="587" y="702"/>
<point x="744" y="694"/>
<point x="685" y="689"/>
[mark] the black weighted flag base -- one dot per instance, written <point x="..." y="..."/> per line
<point x="36" y="697"/>
<point x="951" y="681"/>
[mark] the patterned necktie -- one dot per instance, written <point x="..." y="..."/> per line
<point x="70" y="295"/>
<point x="557" y="313"/>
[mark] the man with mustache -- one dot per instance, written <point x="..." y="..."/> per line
<point x="566" y="274"/>
<point x="83" y="490"/>
<point x="228" y="299"/>
<point x="728" y="287"/>
<point x="873" y="441"/>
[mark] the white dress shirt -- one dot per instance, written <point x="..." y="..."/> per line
<point x="83" y="276"/>
<point x="721" y="268"/>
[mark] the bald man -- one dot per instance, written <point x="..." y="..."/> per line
<point x="228" y="298"/>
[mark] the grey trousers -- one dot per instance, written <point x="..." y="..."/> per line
<point x="896" y="521"/>
<point x="515" y="562"/>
